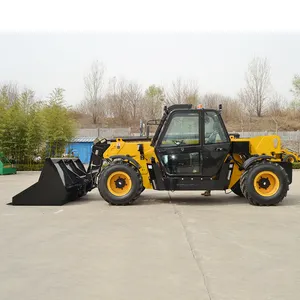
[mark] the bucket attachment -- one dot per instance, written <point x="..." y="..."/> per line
<point x="64" y="179"/>
<point x="61" y="181"/>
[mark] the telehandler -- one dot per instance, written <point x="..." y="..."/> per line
<point x="190" y="150"/>
<point x="290" y="155"/>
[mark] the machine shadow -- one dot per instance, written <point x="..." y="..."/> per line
<point x="189" y="200"/>
<point x="214" y="200"/>
<point x="85" y="199"/>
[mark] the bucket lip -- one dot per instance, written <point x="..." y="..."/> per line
<point x="56" y="159"/>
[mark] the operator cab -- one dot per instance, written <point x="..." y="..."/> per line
<point x="191" y="142"/>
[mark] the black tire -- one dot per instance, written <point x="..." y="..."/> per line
<point x="236" y="188"/>
<point x="290" y="158"/>
<point x="141" y="190"/>
<point x="248" y="184"/>
<point x="131" y="195"/>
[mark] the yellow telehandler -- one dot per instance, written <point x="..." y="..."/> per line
<point x="190" y="150"/>
<point x="290" y="155"/>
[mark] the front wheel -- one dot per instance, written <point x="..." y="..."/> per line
<point x="265" y="184"/>
<point x="120" y="184"/>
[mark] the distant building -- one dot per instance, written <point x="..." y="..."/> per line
<point x="81" y="147"/>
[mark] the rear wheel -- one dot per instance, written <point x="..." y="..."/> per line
<point x="290" y="158"/>
<point x="236" y="188"/>
<point x="120" y="184"/>
<point x="265" y="183"/>
<point x="141" y="190"/>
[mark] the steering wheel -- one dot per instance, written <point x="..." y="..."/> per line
<point x="178" y="143"/>
<point x="212" y="137"/>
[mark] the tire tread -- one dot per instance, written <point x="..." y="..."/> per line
<point x="140" y="180"/>
<point x="243" y="183"/>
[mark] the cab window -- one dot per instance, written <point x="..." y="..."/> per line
<point x="183" y="130"/>
<point x="213" y="128"/>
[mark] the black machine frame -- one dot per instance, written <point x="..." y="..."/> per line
<point x="160" y="176"/>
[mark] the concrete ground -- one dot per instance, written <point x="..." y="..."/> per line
<point x="167" y="246"/>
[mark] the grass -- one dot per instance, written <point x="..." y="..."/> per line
<point x="27" y="167"/>
<point x="296" y="165"/>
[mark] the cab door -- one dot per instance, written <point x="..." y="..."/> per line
<point x="216" y="143"/>
<point x="178" y="147"/>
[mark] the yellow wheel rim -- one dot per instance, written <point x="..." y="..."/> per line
<point x="266" y="183"/>
<point x="119" y="183"/>
<point x="291" y="159"/>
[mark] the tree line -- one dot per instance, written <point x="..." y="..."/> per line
<point x="120" y="102"/>
<point x="31" y="129"/>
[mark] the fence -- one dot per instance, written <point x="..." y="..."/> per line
<point x="104" y="132"/>
<point x="289" y="139"/>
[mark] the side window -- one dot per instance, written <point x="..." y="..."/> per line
<point x="182" y="130"/>
<point x="214" y="131"/>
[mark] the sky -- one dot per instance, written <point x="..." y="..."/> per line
<point x="211" y="44"/>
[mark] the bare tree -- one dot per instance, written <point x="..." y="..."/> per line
<point x="257" y="84"/>
<point x="276" y="108"/>
<point x="295" y="104"/>
<point x="153" y="102"/>
<point x="175" y="94"/>
<point x="182" y="92"/>
<point x="246" y="102"/>
<point x="241" y="119"/>
<point x="191" y="92"/>
<point x="230" y="106"/>
<point x="124" y="101"/>
<point x="133" y="99"/>
<point x="247" y="108"/>
<point x="117" y="101"/>
<point x="94" y="84"/>
<point x="111" y="96"/>
<point x="10" y="92"/>
<point x="212" y="100"/>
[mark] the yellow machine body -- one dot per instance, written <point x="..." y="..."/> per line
<point x="259" y="145"/>
<point x="120" y="147"/>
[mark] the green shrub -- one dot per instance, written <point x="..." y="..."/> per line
<point x="30" y="127"/>
<point x="296" y="165"/>
<point x="32" y="167"/>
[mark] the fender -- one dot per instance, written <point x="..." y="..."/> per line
<point x="126" y="157"/>
<point x="250" y="161"/>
